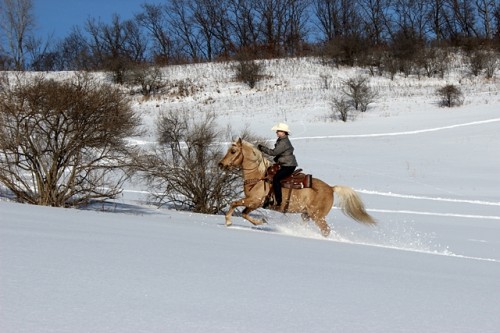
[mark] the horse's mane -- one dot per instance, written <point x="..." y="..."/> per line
<point x="258" y="156"/>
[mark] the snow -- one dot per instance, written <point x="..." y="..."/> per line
<point x="429" y="175"/>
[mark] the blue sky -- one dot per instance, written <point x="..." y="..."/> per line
<point x="57" y="17"/>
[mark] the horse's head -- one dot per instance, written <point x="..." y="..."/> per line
<point x="234" y="156"/>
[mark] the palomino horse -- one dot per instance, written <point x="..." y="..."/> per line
<point x="313" y="203"/>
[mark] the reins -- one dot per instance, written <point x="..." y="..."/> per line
<point x="253" y="181"/>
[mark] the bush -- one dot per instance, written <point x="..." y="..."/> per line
<point x="345" y="50"/>
<point x="182" y="170"/>
<point x="249" y="72"/>
<point x="62" y="143"/>
<point x="359" y="92"/>
<point x="476" y="62"/>
<point x="450" y="95"/>
<point x="435" y="61"/>
<point x="149" y="78"/>
<point x="341" y="108"/>
<point x="490" y="64"/>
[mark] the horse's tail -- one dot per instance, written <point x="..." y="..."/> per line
<point x="351" y="204"/>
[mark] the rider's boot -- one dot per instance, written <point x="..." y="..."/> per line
<point x="269" y="199"/>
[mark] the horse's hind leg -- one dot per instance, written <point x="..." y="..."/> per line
<point x="245" y="213"/>
<point x="323" y="226"/>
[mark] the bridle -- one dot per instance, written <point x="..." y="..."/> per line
<point x="253" y="181"/>
<point x="237" y="162"/>
<point x="238" y="158"/>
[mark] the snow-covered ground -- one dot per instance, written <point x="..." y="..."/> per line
<point x="429" y="175"/>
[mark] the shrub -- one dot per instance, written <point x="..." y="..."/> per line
<point x="182" y="170"/>
<point x="359" y="92"/>
<point x="149" y="78"/>
<point x="435" y="61"/>
<point x="476" y="62"/>
<point x="249" y="72"/>
<point x="450" y="95"/>
<point x="62" y="143"/>
<point x="341" y="108"/>
<point x="491" y="64"/>
<point x="345" y="50"/>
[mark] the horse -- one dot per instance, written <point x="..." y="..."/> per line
<point x="312" y="203"/>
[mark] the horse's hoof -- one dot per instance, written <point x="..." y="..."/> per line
<point x="228" y="224"/>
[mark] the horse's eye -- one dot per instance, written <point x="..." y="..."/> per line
<point x="233" y="151"/>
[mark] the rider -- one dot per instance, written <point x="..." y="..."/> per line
<point x="283" y="155"/>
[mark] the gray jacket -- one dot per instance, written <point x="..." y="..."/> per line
<point x="282" y="152"/>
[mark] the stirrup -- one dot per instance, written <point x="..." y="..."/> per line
<point x="277" y="208"/>
<point x="268" y="201"/>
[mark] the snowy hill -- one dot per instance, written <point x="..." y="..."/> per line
<point x="429" y="175"/>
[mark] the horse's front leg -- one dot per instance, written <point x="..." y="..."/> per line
<point x="250" y="205"/>
<point x="232" y="207"/>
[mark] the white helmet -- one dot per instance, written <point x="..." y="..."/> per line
<point x="281" y="127"/>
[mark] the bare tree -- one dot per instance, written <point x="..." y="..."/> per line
<point x="491" y="63"/>
<point x="407" y="48"/>
<point x="340" y="23"/>
<point x="182" y="170"/>
<point x="479" y="60"/>
<point x="360" y="94"/>
<point x="41" y="56"/>
<point x="496" y="19"/>
<point x="76" y="52"/>
<point x="186" y="35"/>
<point x="115" y="46"/>
<point x="476" y="61"/>
<point x="297" y="29"/>
<point x="17" y="23"/>
<point x="375" y="18"/>
<point x="436" y="19"/>
<point x="62" y="143"/>
<point x="336" y="18"/>
<point x="485" y="12"/>
<point x="154" y="20"/>
<point x="460" y="19"/>
<point x="201" y="29"/>
<point x="434" y="61"/>
<point x="279" y="22"/>
<point x="211" y="18"/>
<point x="243" y="24"/>
<point x="413" y="15"/>
<point x="341" y="108"/>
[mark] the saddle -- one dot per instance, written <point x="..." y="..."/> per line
<point x="296" y="180"/>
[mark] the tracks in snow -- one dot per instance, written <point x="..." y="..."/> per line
<point x="435" y="129"/>
<point x="415" y="197"/>
<point x="290" y="231"/>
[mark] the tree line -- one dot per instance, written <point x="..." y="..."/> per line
<point x="185" y="31"/>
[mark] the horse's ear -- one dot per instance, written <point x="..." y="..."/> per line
<point x="239" y="141"/>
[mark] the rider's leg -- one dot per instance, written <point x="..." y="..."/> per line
<point x="284" y="172"/>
